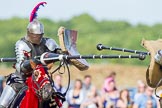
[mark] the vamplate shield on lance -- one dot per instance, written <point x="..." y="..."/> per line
<point x="154" y="72"/>
<point x="67" y="39"/>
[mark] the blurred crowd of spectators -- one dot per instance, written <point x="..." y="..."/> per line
<point x="84" y="94"/>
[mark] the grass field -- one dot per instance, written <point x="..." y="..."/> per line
<point x="127" y="76"/>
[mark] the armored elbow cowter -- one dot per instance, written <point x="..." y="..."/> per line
<point x="26" y="68"/>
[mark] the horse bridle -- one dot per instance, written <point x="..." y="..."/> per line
<point x="54" y="94"/>
<point x="38" y="88"/>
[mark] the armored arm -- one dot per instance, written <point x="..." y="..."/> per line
<point x="22" y="57"/>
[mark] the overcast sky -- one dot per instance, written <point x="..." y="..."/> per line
<point x="134" y="11"/>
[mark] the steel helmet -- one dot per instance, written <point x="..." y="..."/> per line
<point x="35" y="27"/>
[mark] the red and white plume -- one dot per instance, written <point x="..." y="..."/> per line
<point x="34" y="11"/>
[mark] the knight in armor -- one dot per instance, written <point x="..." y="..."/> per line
<point x="31" y="45"/>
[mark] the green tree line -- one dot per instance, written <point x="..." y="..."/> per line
<point x="90" y="33"/>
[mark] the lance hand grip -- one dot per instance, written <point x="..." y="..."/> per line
<point x="47" y="58"/>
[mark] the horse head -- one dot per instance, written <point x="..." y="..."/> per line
<point x="41" y="83"/>
<point x="39" y="89"/>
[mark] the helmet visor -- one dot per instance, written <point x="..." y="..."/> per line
<point x="34" y="38"/>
